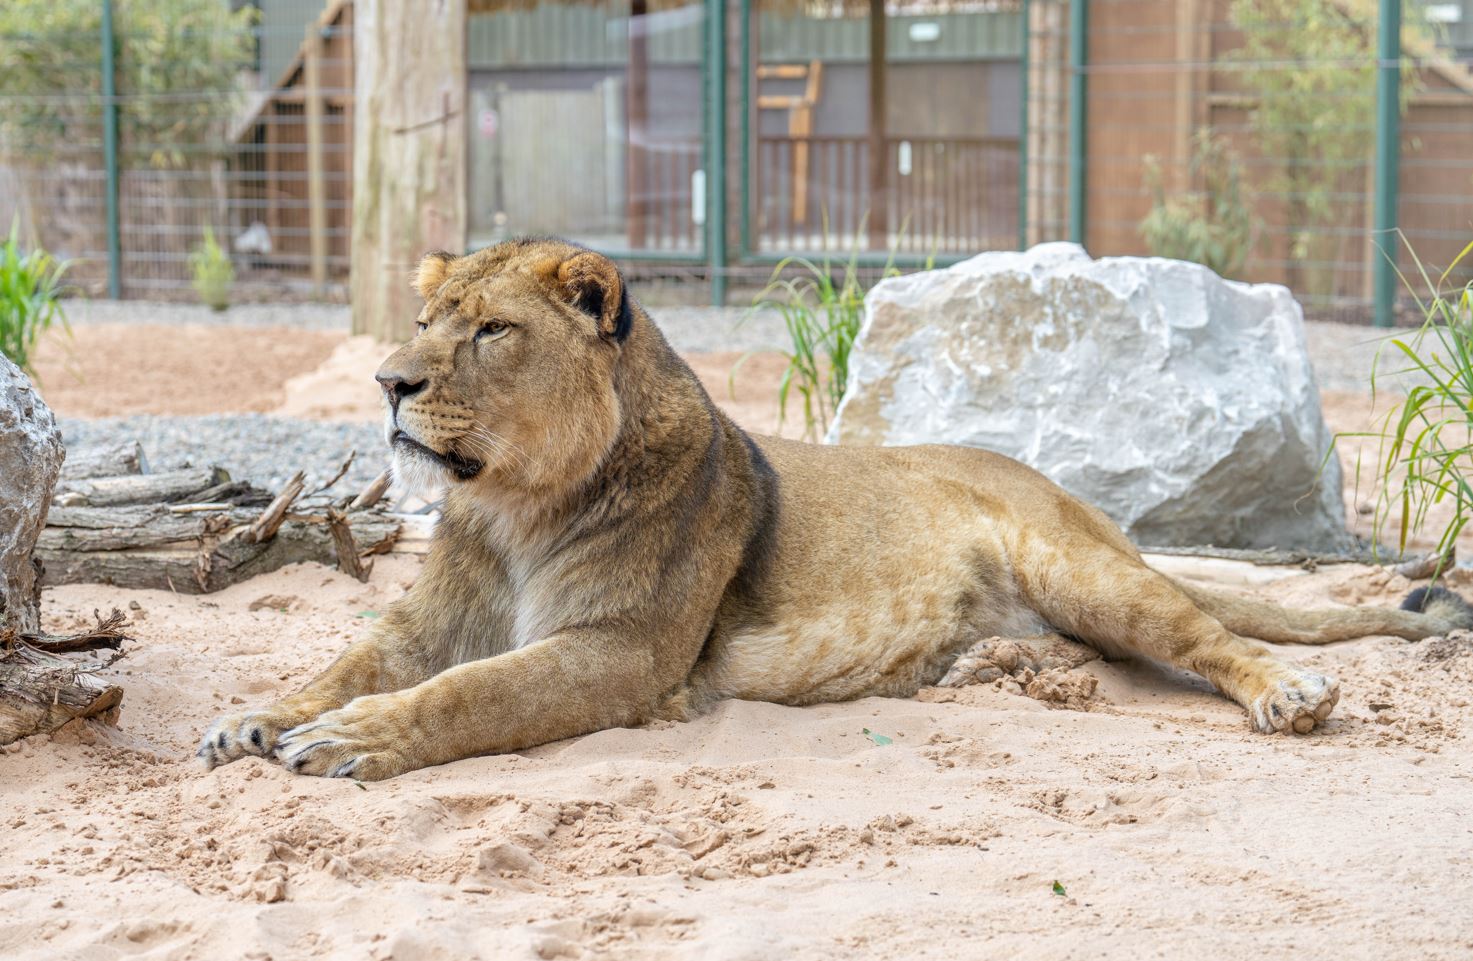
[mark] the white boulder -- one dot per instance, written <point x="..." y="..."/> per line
<point x="30" y="460"/>
<point x="1181" y="404"/>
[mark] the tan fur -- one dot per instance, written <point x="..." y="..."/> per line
<point x="614" y="549"/>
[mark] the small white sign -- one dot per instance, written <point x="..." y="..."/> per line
<point x="927" y="31"/>
<point x="698" y="198"/>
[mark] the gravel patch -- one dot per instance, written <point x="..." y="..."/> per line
<point x="300" y="316"/>
<point x="258" y="448"/>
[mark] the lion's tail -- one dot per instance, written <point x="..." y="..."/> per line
<point x="1425" y="612"/>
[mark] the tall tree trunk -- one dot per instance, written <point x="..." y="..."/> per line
<point x="409" y="150"/>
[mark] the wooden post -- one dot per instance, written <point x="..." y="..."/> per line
<point x="409" y="156"/>
<point x="878" y="146"/>
<point x="316" y="191"/>
<point x="637" y="125"/>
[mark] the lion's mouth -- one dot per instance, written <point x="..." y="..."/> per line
<point x="462" y="467"/>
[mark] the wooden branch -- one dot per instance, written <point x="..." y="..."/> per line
<point x="108" y="633"/>
<point x="1421" y="568"/>
<point x="161" y="488"/>
<point x="345" y="547"/>
<point x="271" y="518"/>
<point x="371" y="494"/>
<point x="339" y="475"/>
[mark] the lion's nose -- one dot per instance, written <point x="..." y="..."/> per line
<point x="396" y="388"/>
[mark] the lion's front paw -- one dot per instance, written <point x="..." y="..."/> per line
<point x="365" y="739"/>
<point x="1296" y="701"/>
<point x="253" y="732"/>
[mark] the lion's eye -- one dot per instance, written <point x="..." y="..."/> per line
<point x="491" y="331"/>
<point x="421" y="327"/>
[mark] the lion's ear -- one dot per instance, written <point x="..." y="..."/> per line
<point x="592" y="283"/>
<point x="432" y="272"/>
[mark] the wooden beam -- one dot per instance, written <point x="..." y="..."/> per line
<point x="409" y="153"/>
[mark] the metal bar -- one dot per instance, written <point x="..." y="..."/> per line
<point x="744" y="219"/>
<point x="316" y="190"/>
<point x="716" y="148"/>
<point x="1026" y="62"/>
<point x="110" y="152"/>
<point x="1388" y="144"/>
<point x="1078" y="90"/>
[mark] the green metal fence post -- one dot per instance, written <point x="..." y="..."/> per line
<point x="1078" y="89"/>
<point x="1388" y="157"/>
<point x="716" y="147"/>
<point x="1023" y="137"/>
<point x="110" y="152"/>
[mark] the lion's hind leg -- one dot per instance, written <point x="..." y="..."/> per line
<point x="1116" y="604"/>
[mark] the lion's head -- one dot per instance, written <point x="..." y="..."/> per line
<point x="510" y="379"/>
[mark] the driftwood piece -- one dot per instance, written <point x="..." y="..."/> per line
<point x="114" y="460"/>
<point x="265" y="527"/>
<point x="346" y="548"/>
<point x="1420" y="568"/>
<point x="40" y="690"/>
<point x="161" y="488"/>
<point x="161" y="550"/>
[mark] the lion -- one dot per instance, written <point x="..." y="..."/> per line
<point x="613" y="549"/>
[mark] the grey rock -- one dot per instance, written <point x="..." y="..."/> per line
<point x="1181" y="404"/>
<point x="30" y="460"/>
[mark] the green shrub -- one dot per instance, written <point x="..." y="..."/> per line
<point x="213" y="272"/>
<point x="178" y="69"/>
<point x="30" y="298"/>
<point x="1214" y="226"/>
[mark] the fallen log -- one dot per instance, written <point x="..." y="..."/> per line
<point x="40" y="690"/>
<point x="124" y="457"/>
<point x="161" y="550"/>
<point x="161" y="488"/>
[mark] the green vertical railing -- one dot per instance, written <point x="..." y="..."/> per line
<point x="1078" y="91"/>
<point x="110" y="152"/>
<point x="716" y="147"/>
<point x="1388" y="157"/>
<point x="1023" y="136"/>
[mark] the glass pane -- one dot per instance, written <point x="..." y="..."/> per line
<point x="919" y="157"/>
<point x="586" y="122"/>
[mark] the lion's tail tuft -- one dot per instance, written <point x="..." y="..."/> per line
<point x="1442" y="604"/>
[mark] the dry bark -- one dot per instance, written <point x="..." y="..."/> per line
<point x="40" y="690"/>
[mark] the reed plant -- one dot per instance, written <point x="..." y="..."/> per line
<point x="31" y="289"/>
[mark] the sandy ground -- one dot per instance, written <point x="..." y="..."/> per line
<point x="758" y="831"/>
<point x="755" y="832"/>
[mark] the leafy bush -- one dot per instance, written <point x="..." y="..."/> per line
<point x="1309" y="69"/>
<point x="213" y="272"/>
<point x="1426" y="439"/>
<point x="30" y="291"/>
<point x="1214" y="226"/>
<point x="178" y="63"/>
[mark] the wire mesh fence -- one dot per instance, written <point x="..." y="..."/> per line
<point x="1237" y="133"/>
<point x="223" y="126"/>
<point x="1242" y="134"/>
